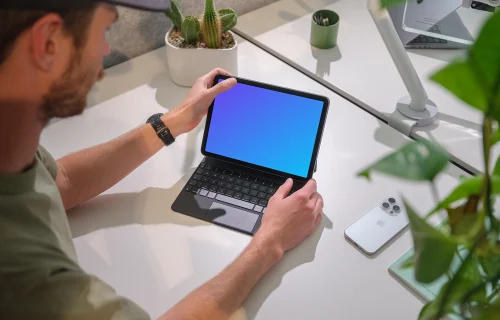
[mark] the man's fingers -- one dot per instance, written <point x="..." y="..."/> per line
<point x="318" y="209"/>
<point x="209" y="77"/>
<point x="310" y="188"/>
<point x="284" y="189"/>
<point x="222" y="87"/>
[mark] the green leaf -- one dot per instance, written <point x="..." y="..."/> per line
<point x="434" y="251"/>
<point x="469" y="279"/>
<point x="419" y="161"/>
<point x="459" y="78"/>
<point x="409" y="263"/>
<point x="485" y="58"/>
<point x="490" y="312"/>
<point x="175" y="14"/>
<point x="490" y="263"/>
<point x="390" y="3"/>
<point x="467" y="188"/>
<point x="228" y="19"/>
<point x="496" y="170"/>
<point x="496" y="137"/>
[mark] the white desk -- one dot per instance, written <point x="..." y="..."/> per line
<point x="130" y="238"/>
<point x="360" y="67"/>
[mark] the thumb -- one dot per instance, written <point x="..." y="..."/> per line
<point x="222" y="86"/>
<point x="284" y="190"/>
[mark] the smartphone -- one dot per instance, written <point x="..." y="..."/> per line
<point x="378" y="226"/>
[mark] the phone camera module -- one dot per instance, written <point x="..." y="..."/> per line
<point x="392" y="200"/>
<point x="385" y="205"/>
<point x="396" y="208"/>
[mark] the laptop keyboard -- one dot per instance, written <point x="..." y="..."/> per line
<point x="232" y="187"/>
<point x="422" y="39"/>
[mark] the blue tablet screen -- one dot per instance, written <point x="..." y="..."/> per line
<point x="264" y="127"/>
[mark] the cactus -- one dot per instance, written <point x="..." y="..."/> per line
<point x="228" y="19"/>
<point x="213" y="23"/>
<point x="175" y="14"/>
<point x="212" y="31"/>
<point x="191" y="29"/>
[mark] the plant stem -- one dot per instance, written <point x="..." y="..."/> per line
<point x="435" y="193"/>
<point x="487" y="181"/>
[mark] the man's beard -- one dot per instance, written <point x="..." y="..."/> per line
<point x="67" y="96"/>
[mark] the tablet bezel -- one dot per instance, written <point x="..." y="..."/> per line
<point x="317" y="143"/>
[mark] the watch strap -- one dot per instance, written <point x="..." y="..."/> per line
<point x="161" y="129"/>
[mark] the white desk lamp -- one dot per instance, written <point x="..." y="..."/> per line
<point x="417" y="106"/>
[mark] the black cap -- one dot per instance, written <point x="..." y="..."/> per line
<point x="150" y="5"/>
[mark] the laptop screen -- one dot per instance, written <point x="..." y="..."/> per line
<point x="264" y="127"/>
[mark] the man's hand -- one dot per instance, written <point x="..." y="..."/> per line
<point x="290" y="220"/>
<point x="189" y="113"/>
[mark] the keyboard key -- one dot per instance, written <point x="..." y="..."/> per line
<point x="207" y="173"/>
<point x="262" y="195"/>
<point x="216" y="169"/>
<point x="254" y="193"/>
<point x="223" y="177"/>
<point x="235" y="202"/>
<point x="204" y="193"/>
<point x="200" y="171"/>
<point x="192" y="182"/>
<point x="213" y="188"/>
<point x="212" y="195"/>
<point x="229" y="186"/>
<point x="245" y="190"/>
<point x="247" y="184"/>
<point x="209" y="167"/>
<point x="188" y="188"/>
<point x="199" y="184"/>
<point x="257" y="208"/>
<point x="215" y="175"/>
<point x="254" y="200"/>
<point x="230" y="193"/>
<point x="262" y="202"/>
<point x="255" y="186"/>
<point x="205" y="179"/>
<point x="246" y="197"/>
<point x="238" y="195"/>
<point x="231" y="179"/>
<point x="237" y="188"/>
<point x="213" y="181"/>
<point x="221" y="191"/>
<point x="239" y="182"/>
<point x="268" y="197"/>
<point x="271" y="190"/>
<point x="225" y="172"/>
<point x="195" y="190"/>
<point x="205" y="186"/>
<point x="221" y="184"/>
<point x="263" y="189"/>
<point x="202" y="165"/>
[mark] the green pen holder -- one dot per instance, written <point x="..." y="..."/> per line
<point x="324" y="29"/>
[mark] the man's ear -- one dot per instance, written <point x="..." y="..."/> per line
<point x="46" y="40"/>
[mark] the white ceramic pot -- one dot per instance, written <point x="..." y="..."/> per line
<point x="187" y="65"/>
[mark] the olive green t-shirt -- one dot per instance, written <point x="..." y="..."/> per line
<point x="39" y="273"/>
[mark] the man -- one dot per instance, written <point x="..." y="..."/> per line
<point x="50" y="56"/>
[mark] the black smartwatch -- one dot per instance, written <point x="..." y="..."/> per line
<point x="160" y="128"/>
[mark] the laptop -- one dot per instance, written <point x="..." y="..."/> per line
<point x="256" y="136"/>
<point x="430" y="25"/>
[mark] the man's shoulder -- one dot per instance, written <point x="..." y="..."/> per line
<point x="47" y="160"/>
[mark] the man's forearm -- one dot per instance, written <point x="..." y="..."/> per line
<point x="223" y="295"/>
<point x="87" y="173"/>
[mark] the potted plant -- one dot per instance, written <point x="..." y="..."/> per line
<point x="470" y="235"/>
<point x="197" y="46"/>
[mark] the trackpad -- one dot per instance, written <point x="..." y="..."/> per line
<point x="232" y="217"/>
